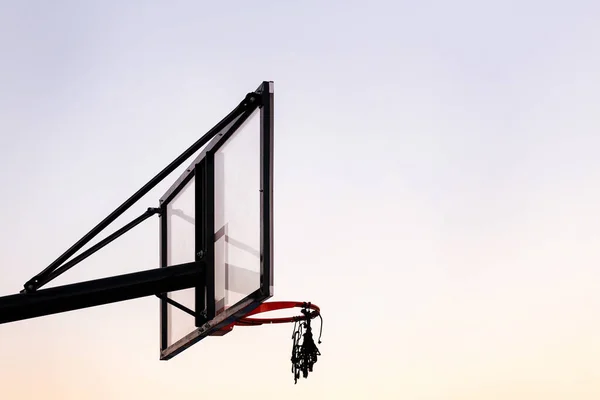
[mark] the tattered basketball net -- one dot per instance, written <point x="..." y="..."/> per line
<point x="304" y="350"/>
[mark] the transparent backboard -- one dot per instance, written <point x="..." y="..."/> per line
<point x="219" y="214"/>
<point x="237" y="216"/>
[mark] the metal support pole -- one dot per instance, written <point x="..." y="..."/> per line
<point x="98" y="292"/>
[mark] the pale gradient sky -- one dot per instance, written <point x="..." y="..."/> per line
<point x="436" y="191"/>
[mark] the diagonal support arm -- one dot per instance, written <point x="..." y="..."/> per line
<point x="251" y="101"/>
<point x="115" y="235"/>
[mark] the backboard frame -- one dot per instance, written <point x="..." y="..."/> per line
<point x="202" y="169"/>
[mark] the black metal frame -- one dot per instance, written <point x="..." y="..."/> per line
<point x="32" y="302"/>
<point x="205" y="213"/>
<point x="203" y="169"/>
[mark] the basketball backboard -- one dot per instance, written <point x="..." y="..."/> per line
<point x="219" y="214"/>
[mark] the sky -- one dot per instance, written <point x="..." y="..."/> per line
<point x="436" y="191"/>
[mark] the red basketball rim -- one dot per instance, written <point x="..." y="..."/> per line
<point x="279" y="305"/>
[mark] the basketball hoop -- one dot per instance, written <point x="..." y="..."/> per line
<point x="304" y="350"/>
